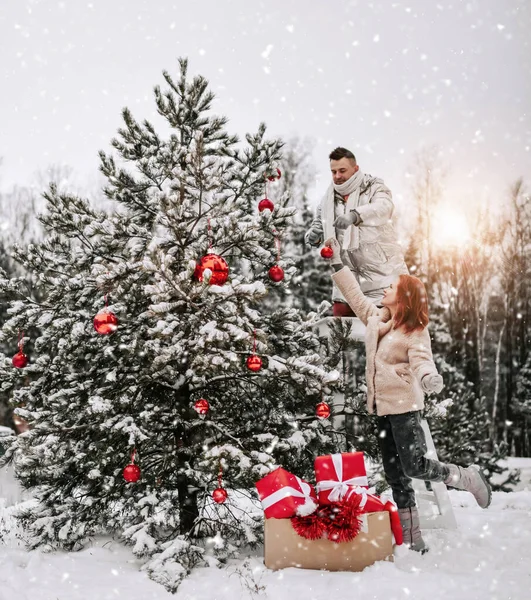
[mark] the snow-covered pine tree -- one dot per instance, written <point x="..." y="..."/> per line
<point x="18" y="222"/>
<point x="94" y="399"/>
<point x="515" y="282"/>
<point x="311" y="284"/>
<point x="523" y="391"/>
<point x="458" y="418"/>
<point x="360" y="431"/>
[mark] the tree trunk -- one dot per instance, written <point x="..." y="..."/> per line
<point x="493" y="425"/>
<point x="186" y="489"/>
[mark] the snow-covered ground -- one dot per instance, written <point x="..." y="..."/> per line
<point x="488" y="558"/>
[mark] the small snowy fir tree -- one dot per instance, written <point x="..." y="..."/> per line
<point x="18" y="222"/>
<point x="458" y="417"/>
<point x="311" y="284"/>
<point x="95" y="400"/>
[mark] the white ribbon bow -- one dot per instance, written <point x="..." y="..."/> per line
<point x="340" y="487"/>
<point x="364" y="493"/>
<point x="286" y="492"/>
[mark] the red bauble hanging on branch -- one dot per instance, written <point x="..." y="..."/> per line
<point x="322" y="410"/>
<point x="254" y="363"/>
<point x="275" y="177"/>
<point x="212" y="268"/>
<point x="105" y="322"/>
<point x="276" y="273"/>
<point x="217" y="266"/>
<point x="220" y="495"/>
<point x="265" y="204"/>
<point x="20" y="360"/>
<point x="327" y="252"/>
<point x="132" y="472"/>
<point x="202" y="406"/>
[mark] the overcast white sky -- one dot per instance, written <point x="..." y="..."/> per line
<point x="383" y="78"/>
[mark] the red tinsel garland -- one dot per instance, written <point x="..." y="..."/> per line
<point x="339" y="521"/>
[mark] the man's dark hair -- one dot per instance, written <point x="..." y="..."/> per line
<point x="340" y="153"/>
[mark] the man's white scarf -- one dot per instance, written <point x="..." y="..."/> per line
<point x="351" y="187"/>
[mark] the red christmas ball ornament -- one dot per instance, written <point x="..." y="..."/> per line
<point x="276" y="273"/>
<point x="219" y="495"/>
<point x="265" y="204"/>
<point x="322" y="410"/>
<point x="275" y="177"/>
<point x="20" y="360"/>
<point x="105" y="322"/>
<point x="132" y="473"/>
<point x="218" y="267"/>
<point x="327" y="252"/>
<point x="202" y="406"/>
<point x="254" y="363"/>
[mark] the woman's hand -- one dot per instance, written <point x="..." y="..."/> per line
<point x="336" y="257"/>
<point x="432" y="383"/>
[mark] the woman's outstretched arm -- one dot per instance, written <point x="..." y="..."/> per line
<point x="350" y="288"/>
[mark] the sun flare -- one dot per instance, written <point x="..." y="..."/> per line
<point x="450" y="228"/>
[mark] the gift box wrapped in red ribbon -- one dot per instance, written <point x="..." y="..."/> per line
<point x="284" y="495"/>
<point x="337" y="475"/>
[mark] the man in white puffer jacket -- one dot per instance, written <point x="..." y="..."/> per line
<point x="357" y="211"/>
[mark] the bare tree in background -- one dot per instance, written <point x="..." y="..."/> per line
<point x="458" y="280"/>
<point x="428" y="176"/>
<point x="466" y="285"/>
<point x="515" y="278"/>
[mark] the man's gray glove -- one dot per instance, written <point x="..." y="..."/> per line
<point x="432" y="383"/>
<point x="312" y="238"/>
<point x="336" y="257"/>
<point x="348" y="219"/>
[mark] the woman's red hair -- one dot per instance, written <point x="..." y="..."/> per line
<point x="412" y="304"/>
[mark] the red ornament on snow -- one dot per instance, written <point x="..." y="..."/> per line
<point x="218" y="267"/>
<point x="275" y="177"/>
<point x="20" y="360"/>
<point x="327" y="252"/>
<point x="276" y="273"/>
<point x="322" y="410"/>
<point x="265" y="204"/>
<point x="105" y="322"/>
<point x="132" y="473"/>
<point x="202" y="406"/>
<point x="254" y="363"/>
<point x="219" y="495"/>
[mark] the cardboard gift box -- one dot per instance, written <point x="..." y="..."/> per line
<point x="283" y="547"/>
<point x="284" y="495"/>
<point x="337" y="475"/>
